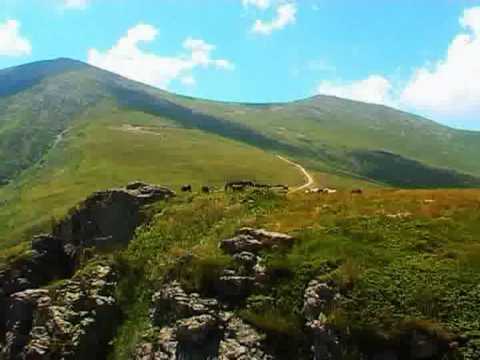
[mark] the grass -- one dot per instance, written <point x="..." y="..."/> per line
<point x="332" y="127"/>
<point x="102" y="152"/>
<point x="416" y="270"/>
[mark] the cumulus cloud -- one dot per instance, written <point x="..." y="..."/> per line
<point x="12" y="43"/>
<point x="261" y="4"/>
<point x="128" y="59"/>
<point x="451" y="86"/>
<point x="75" y="4"/>
<point x="286" y="14"/>
<point x="447" y="89"/>
<point x="375" y="89"/>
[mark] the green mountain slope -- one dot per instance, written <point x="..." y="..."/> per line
<point x="325" y="132"/>
<point x="67" y="129"/>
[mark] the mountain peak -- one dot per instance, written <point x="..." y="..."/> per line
<point x="18" y="78"/>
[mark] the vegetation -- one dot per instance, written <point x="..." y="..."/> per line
<point x="67" y="129"/>
<point x="404" y="259"/>
<point x="107" y="151"/>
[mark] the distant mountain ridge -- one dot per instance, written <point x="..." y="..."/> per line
<point x="39" y="101"/>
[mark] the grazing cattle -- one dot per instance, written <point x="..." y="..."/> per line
<point x="321" y="191"/>
<point x="239" y="185"/>
<point x="206" y="189"/>
<point x="357" y="191"/>
<point x="329" y="191"/>
<point x="187" y="188"/>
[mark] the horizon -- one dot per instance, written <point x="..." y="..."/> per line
<point x="401" y="55"/>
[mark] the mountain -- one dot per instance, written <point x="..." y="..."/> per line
<point x="67" y="129"/>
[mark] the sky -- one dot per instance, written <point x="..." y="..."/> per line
<point x="418" y="56"/>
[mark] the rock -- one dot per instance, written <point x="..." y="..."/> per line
<point x="233" y="288"/>
<point x="246" y="259"/>
<point x="171" y="302"/>
<point x="192" y="327"/>
<point x="74" y="320"/>
<point x="241" y="243"/>
<point x="241" y="342"/>
<point x="197" y="329"/>
<point x="253" y="240"/>
<point x="319" y="298"/>
<point x="326" y="343"/>
<point x="268" y="238"/>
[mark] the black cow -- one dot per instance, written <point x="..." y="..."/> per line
<point x="187" y="188"/>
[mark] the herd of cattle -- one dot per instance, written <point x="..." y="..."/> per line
<point x="248" y="184"/>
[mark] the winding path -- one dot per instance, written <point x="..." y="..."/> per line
<point x="306" y="174"/>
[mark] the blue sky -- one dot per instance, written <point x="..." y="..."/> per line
<point x="420" y="56"/>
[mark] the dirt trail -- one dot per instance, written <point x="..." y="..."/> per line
<point x="306" y="174"/>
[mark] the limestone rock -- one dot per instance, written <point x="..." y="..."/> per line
<point x="72" y="321"/>
<point x="254" y="240"/>
<point x="172" y="302"/>
<point x="319" y="298"/>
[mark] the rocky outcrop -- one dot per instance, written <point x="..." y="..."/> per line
<point x="74" y="320"/>
<point x="320" y="299"/>
<point x="172" y="302"/>
<point x="191" y="327"/>
<point x="105" y="219"/>
<point x="245" y="247"/>
<point x="108" y="218"/>
<point x="254" y="240"/>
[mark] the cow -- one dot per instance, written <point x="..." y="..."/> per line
<point x="187" y="188"/>
<point x="206" y="189"/>
<point x="239" y="185"/>
<point x="357" y="191"/>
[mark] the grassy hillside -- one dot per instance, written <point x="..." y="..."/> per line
<point x="107" y="150"/>
<point x="403" y="259"/>
<point x="67" y="129"/>
<point x="326" y="133"/>
<point x="332" y="128"/>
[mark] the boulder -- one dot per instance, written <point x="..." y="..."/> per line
<point x="192" y="327"/>
<point x="254" y="240"/>
<point x="319" y="298"/>
<point x="241" y="342"/>
<point x="74" y="320"/>
<point x="268" y="239"/>
<point x="241" y="243"/>
<point x="197" y="329"/>
<point x="171" y="302"/>
<point x="234" y="288"/>
<point x="246" y="260"/>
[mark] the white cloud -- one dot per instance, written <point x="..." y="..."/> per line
<point x="375" y="89"/>
<point x="75" y="4"/>
<point x="261" y="4"/>
<point x="128" y="59"/>
<point x="12" y="43"/>
<point x="447" y="90"/>
<point x="286" y="14"/>
<point x="450" y="87"/>
<point x="188" y="80"/>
